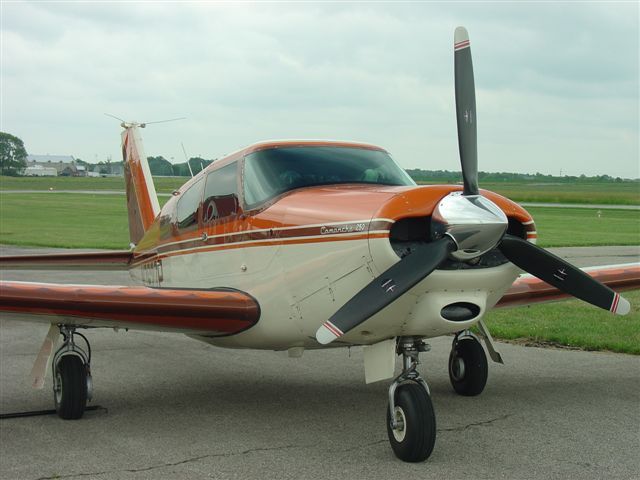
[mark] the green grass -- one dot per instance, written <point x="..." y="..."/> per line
<point x="163" y="184"/>
<point x="570" y="323"/>
<point x="598" y="193"/>
<point x="64" y="220"/>
<point x="100" y="221"/>
<point x="564" y="227"/>
<point x="627" y="193"/>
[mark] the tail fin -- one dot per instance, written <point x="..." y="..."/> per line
<point x="142" y="200"/>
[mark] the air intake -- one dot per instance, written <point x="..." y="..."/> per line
<point x="460" y="311"/>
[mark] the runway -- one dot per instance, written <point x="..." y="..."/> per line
<point x="177" y="408"/>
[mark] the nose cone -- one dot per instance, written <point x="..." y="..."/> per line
<point x="473" y="221"/>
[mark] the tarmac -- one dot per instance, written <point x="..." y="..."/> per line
<point x="172" y="407"/>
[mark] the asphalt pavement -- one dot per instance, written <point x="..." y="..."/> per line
<point x="177" y="408"/>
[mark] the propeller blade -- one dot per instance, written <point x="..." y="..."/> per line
<point x="386" y="288"/>
<point x="562" y="275"/>
<point x="466" y="110"/>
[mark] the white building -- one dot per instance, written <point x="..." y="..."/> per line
<point x="40" y="171"/>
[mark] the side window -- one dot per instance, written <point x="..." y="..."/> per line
<point x="188" y="203"/>
<point x="221" y="193"/>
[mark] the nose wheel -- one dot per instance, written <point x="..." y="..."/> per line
<point x="411" y="421"/>
<point x="72" y="385"/>
<point x="468" y="369"/>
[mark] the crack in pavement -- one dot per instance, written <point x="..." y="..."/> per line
<point x="476" y="424"/>
<point x="254" y="450"/>
<point x="173" y="464"/>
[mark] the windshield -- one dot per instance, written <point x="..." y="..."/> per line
<point x="268" y="173"/>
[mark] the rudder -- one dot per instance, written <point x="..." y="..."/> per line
<point x="142" y="200"/>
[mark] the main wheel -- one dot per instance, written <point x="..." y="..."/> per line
<point x="70" y="391"/>
<point x="413" y="441"/>
<point x="468" y="368"/>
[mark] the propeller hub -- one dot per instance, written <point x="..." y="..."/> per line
<point x="474" y="222"/>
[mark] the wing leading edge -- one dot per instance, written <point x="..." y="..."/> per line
<point x="212" y="312"/>
<point x="529" y="289"/>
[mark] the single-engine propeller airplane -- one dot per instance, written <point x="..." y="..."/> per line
<point x="293" y="245"/>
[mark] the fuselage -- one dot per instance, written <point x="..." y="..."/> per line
<point x="304" y="252"/>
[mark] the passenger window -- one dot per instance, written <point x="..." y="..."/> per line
<point x="221" y="193"/>
<point x="187" y="209"/>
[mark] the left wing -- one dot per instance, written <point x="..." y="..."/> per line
<point x="528" y="289"/>
<point x="214" y="312"/>
<point x="107" y="260"/>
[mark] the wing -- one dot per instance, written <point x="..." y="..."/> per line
<point x="215" y="312"/>
<point x="529" y="289"/>
<point x="108" y="260"/>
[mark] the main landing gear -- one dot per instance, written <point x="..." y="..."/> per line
<point x="411" y="421"/>
<point x="467" y="365"/>
<point x="72" y="385"/>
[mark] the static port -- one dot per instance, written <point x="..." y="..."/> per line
<point x="460" y="311"/>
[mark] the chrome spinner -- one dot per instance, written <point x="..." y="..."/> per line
<point x="474" y="222"/>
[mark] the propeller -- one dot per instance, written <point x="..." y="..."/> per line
<point x="465" y="226"/>
<point x="562" y="275"/>
<point x="386" y="288"/>
<point x="466" y="110"/>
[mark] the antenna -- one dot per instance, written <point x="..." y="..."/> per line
<point x="113" y="116"/>
<point x="185" y="157"/>
<point x="144" y="124"/>
<point x="125" y="124"/>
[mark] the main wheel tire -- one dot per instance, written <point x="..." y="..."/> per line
<point x="70" y="393"/>
<point x="468" y="369"/>
<point x="415" y="441"/>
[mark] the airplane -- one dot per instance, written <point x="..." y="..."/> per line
<point x="295" y="245"/>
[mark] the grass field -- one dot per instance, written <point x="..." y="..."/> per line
<point x="627" y="193"/>
<point x="571" y="323"/>
<point x="564" y="227"/>
<point x="100" y="221"/>
<point x="606" y="193"/>
<point x="163" y="184"/>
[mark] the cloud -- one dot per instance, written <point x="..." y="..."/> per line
<point x="551" y="79"/>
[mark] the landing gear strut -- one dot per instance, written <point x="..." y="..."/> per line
<point x="411" y="421"/>
<point x="468" y="368"/>
<point x="72" y="384"/>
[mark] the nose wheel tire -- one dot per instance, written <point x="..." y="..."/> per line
<point x="468" y="369"/>
<point x="70" y="387"/>
<point x="415" y="435"/>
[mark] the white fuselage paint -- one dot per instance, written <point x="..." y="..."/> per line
<point x="300" y="285"/>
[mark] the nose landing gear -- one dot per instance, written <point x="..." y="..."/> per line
<point x="411" y="421"/>
<point x="72" y="384"/>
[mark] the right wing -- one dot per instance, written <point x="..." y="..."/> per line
<point x="528" y="289"/>
<point x="215" y="312"/>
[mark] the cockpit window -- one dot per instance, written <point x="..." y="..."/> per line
<point x="268" y="173"/>
<point x="188" y="203"/>
<point x="221" y="193"/>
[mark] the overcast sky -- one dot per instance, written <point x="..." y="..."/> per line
<point x="557" y="83"/>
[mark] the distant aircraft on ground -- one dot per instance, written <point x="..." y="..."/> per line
<point x="295" y="245"/>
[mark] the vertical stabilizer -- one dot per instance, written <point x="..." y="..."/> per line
<point x="142" y="200"/>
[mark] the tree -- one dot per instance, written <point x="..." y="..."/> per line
<point x="13" y="156"/>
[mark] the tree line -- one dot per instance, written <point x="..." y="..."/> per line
<point x="13" y="161"/>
